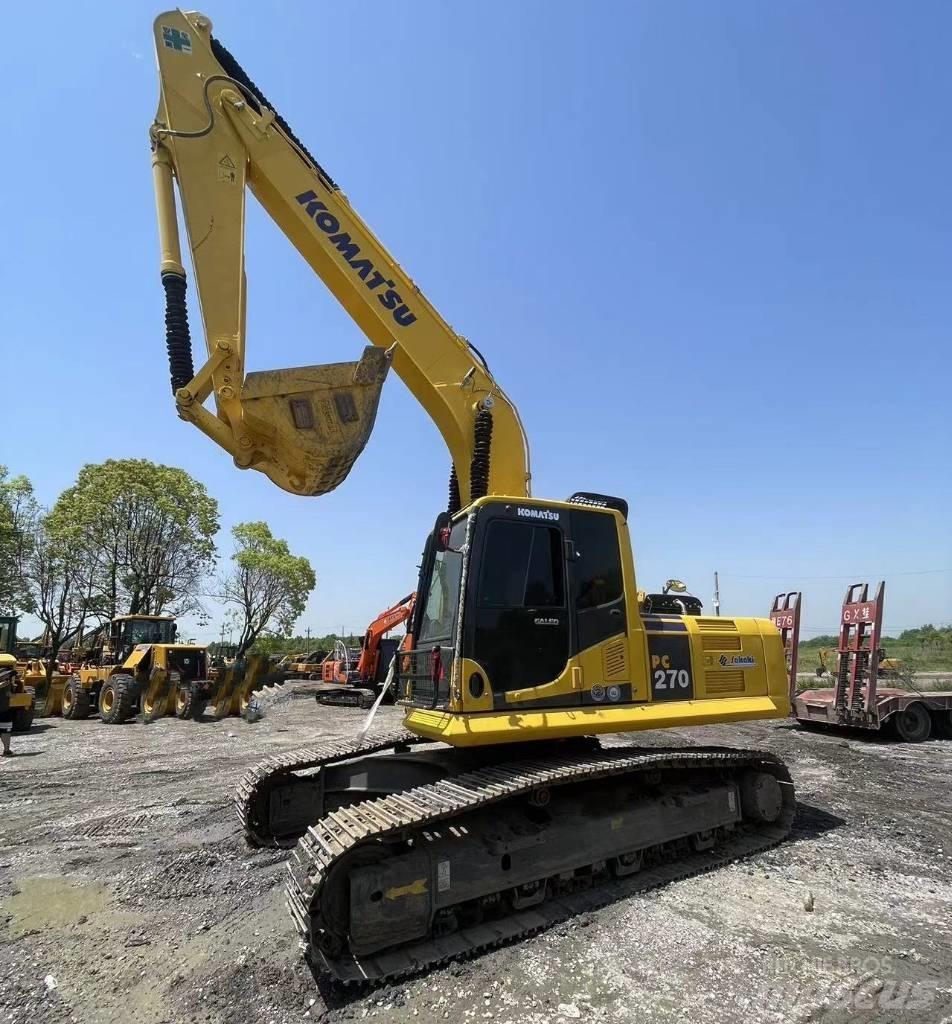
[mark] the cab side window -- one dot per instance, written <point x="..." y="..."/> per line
<point x="597" y="585"/>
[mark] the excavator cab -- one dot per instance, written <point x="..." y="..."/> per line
<point x="528" y="626"/>
<point x="543" y="582"/>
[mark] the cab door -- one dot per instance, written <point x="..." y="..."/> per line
<point x="520" y="625"/>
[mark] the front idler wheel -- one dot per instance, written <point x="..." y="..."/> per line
<point x="760" y="796"/>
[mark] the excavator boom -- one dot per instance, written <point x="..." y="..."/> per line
<point x="216" y="135"/>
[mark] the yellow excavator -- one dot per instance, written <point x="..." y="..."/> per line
<point x="495" y="811"/>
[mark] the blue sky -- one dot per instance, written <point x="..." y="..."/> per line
<point x="705" y="248"/>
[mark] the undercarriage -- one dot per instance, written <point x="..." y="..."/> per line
<point x="409" y="854"/>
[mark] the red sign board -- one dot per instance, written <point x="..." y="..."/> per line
<point x="862" y="611"/>
<point x="782" y="619"/>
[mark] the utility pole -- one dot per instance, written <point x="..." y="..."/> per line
<point x="221" y="642"/>
<point x="717" y="596"/>
<point x="307" y="633"/>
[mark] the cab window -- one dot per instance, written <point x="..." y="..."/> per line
<point x="522" y="567"/>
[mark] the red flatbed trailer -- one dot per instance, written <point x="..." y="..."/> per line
<point x="855" y="700"/>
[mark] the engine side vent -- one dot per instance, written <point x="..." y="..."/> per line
<point x="731" y="681"/>
<point x="615" y="660"/>
<point x="716" y="625"/>
<point x="721" y="643"/>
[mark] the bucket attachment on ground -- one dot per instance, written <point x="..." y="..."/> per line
<point x="237" y="682"/>
<point x="49" y="696"/>
<point x="155" y="701"/>
<point x="315" y="420"/>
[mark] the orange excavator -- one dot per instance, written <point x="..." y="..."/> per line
<point x="354" y="678"/>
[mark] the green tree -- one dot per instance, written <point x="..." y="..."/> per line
<point x="19" y="514"/>
<point x="267" y="586"/>
<point x="145" y="533"/>
<point x="56" y="589"/>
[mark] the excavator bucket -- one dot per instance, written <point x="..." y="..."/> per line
<point x="316" y="419"/>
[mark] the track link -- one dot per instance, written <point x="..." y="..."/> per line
<point x="253" y="797"/>
<point x="409" y="812"/>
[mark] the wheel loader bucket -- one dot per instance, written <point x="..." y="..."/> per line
<point x="155" y="700"/>
<point x="313" y="421"/>
<point x="257" y="673"/>
<point x="225" y="686"/>
<point x="49" y="699"/>
<point x="236" y="683"/>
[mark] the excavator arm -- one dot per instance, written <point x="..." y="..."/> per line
<point x="402" y="611"/>
<point x="215" y="134"/>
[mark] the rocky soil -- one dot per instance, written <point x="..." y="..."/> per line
<point x="127" y="894"/>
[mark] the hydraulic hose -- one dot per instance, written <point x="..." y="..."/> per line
<point x="456" y="502"/>
<point x="177" y="338"/>
<point x="234" y="70"/>
<point x="482" y="445"/>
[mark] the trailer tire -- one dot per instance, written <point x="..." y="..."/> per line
<point x="117" y="699"/>
<point x="75" y="700"/>
<point x="942" y="724"/>
<point x="913" y="724"/>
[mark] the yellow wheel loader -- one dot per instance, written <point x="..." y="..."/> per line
<point x="495" y="811"/>
<point x="20" y="699"/>
<point x="31" y="669"/>
<point x="133" y="665"/>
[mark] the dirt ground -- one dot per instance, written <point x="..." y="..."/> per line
<point x="128" y="894"/>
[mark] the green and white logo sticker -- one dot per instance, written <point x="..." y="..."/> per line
<point x="176" y="39"/>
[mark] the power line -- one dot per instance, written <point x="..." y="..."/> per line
<point x="888" y="627"/>
<point x="851" y="576"/>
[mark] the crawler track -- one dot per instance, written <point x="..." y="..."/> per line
<point x="252" y="800"/>
<point x="410" y="813"/>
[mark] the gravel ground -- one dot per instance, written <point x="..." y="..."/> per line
<point x="127" y="894"/>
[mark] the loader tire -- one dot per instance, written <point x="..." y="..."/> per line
<point x="75" y="700"/>
<point x="913" y="724"/>
<point x="189" y="704"/>
<point x="22" y="719"/>
<point x="117" y="699"/>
